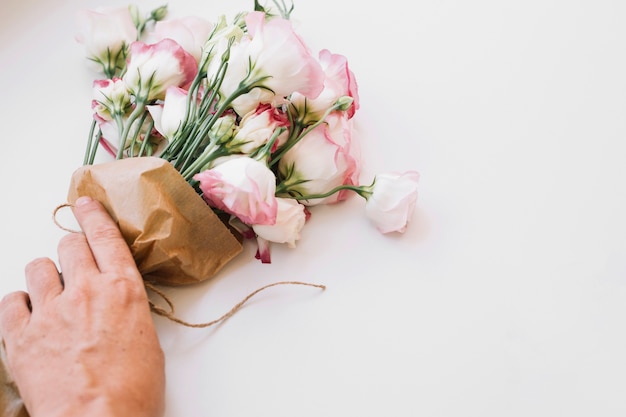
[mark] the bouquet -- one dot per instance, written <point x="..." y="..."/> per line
<point x="241" y="112"/>
<point x="218" y="132"/>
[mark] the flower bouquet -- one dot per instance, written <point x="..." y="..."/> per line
<point x="240" y="112"/>
<point x="215" y="133"/>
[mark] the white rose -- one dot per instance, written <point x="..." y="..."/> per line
<point x="393" y="199"/>
<point x="290" y="219"/>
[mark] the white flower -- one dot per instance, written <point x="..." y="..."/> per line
<point x="169" y="116"/>
<point x="290" y="219"/>
<point x="105" y="34"/>
<point x="392" y="201"/>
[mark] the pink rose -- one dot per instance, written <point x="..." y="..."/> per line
<point x="110" y="98"/>
<point x="321" y="161"/>
<point x="392" y="201"/>
<point x="281" y="64"/>
<point x="190" y="32"/>
<point x="153" y="68"/>
<point x="243" y="187"/>
<point x="256" y="128"/>
<point x="339" y="82"/>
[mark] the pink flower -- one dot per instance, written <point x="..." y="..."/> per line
<point x="339" y="82"/>
<point x="105" y="34"/>
<point x="392" y="201"/>
<point x="190" y="32"/>
<point x="256" y="128"/>
<point x="290" y="219"/>
<point x="321" y="161"/>
<point x="110" y="97"/>
<point x="153" y="68"/>
<point x="243" y="187"/>
<point x="276" y="59"/>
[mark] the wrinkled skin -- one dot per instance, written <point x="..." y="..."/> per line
<point x="86" y="346"/>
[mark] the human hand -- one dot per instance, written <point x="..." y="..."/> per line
<point x="86" y="346"/>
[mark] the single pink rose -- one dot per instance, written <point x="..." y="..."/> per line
<point x="190" y="32"/>
<point x="243" y="187"/>
<point x="256" y="128"/>
<point x="153" y="68"/>
<point x="321" y="161"/>
<point x="339" y="82"/>
<point x="281" y="64"/>
<point x="110" y="97"/>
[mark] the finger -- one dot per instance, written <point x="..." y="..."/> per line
<point x="43" y="281"/>
<point x="76" y="259"/>
<point x="14" y="314"/>
<point x="109" y="248"/>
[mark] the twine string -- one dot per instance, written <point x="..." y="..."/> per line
<point x="170" y="314"/>
<point x="59" y="225"/>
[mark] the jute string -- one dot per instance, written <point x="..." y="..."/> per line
<point x="170" y="314"/>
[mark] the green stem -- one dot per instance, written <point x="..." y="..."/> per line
<point x="90" y="144"/>
<point x="292" y="142"/>
<point x="138" y="111"/>
<point x="146" y="139"/>
<point x="210" y="154"/>
<point x="360" y="190"/>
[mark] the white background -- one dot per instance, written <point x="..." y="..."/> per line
<point x="506" y="295"/>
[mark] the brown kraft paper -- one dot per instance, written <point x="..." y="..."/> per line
<point x="174" y="236"/>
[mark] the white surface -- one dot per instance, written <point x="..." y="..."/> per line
<point x="506" y="296"/>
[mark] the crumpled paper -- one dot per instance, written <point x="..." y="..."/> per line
<point x="11" y="404"/>
<point x="175" y="237"/>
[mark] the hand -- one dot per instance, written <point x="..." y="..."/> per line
<point x="86" y="346"/>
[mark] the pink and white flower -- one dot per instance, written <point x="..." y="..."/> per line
<point x="339" y="82"/>
<point x="189" y="32"/>
<point x="153" y="68"/>
<point x="110" y="98"/>
<point x="105" y="35"/>
<point x="290" y="219"/>
<point x="273" y="57"/>
<point x="392" y="201"/>
<point x="321" y="161"/>
<point x="243" y="187"/>
<point x="256" y="128"/>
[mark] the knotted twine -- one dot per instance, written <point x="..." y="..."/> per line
<point x="170" y="314"/>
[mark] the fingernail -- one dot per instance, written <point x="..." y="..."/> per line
<point x="81" y="201"/>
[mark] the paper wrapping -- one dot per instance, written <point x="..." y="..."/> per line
<point x="175" y="237"/>
<point x="11" y="404"/>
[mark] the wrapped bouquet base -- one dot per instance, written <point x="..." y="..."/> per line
<point x="175" y="237"/>
<point x="11" y="404"/>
